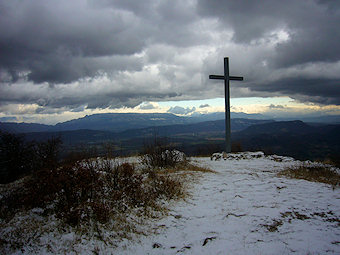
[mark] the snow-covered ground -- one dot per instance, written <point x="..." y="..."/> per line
<point x="243" y="208"/>
<point x="246" y="209"/>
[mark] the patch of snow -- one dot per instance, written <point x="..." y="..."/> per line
<point x="243" y="208"/>
<point x="246" y="209"/>
<point x="238" y="156"/>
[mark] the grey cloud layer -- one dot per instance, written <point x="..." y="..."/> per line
<point x="62" y="41"/>
<point x="312" y="43"/>
<point x="313" y="26"/>
<point x="121" y="53"/>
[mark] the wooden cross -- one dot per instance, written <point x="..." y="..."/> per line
<point x="226" y="79"/>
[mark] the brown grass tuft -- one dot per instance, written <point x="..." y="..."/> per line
<point x="192" y="167"/>
<point x="319" y="173"/>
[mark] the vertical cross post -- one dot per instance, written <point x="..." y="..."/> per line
<point x="226" y="79"/>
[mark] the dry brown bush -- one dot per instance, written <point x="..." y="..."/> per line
<point x="92" y="190"/>
<point x="314" y="173"/>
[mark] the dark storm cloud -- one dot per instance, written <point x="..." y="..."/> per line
<point x="322" y="91"/>
<point x="250" y="20"/>
<point x="115" y="53"/>
<point x="313" y="26"/>
<point x="314" y="36"/>
<point x="61" y="41"/>
<point x="58" y="41"/>
<point x="312" y="30"/>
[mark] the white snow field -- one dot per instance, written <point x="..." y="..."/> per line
<point x="246" y="209"/>
<point x="243" y="208"/>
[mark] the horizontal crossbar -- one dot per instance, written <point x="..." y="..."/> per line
<point x="216" y="77"/>
<point x="221" y="77"/>
<point x="235" y="78"/>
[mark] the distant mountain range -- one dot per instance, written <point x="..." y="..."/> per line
<point x="85" y="136"/>
<point x="292" y="138"/>
<point x="130" y="132"/>
<point x="118" y="122"/>
<point x="114" y="122"/>
<point x="330" y="119"/>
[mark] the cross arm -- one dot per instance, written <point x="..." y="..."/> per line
<point x="221" y="77"/>
<point x="235" y="78"/>
<point x="216" y="77"/>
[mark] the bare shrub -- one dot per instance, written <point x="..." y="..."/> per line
<point x="126" y="186"/>
<point x="159" y="154"/>
<point x="91" y="190"/>
<point x="163" y="159"/>
<point x="80" y="187"/>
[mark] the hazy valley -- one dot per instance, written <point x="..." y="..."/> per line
<point x="127" y="134"/>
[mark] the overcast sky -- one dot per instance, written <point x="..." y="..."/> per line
<point x="58" y="58"/>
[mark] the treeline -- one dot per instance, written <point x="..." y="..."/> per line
<point x="19" y="157"/>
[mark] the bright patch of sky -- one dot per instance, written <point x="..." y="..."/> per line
<point x="273" y="107"/>
<point x="247" y="104"/>
<point x="270" y="106"/>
